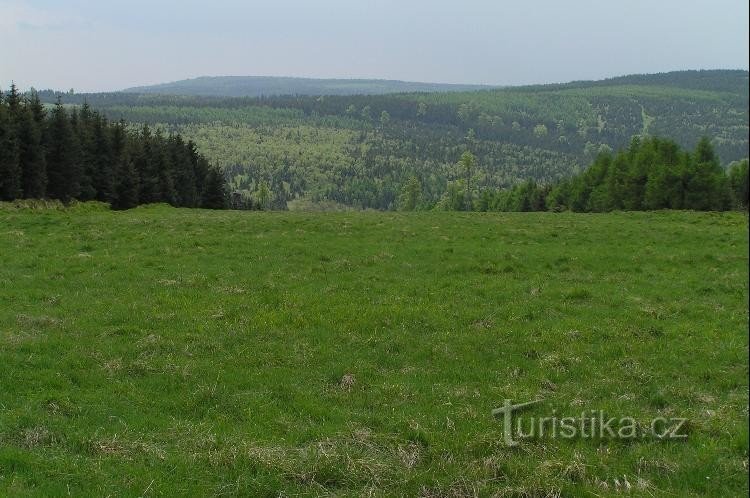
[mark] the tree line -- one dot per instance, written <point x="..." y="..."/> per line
<point x="78" y="154"/>
<point x="651" y="174"/>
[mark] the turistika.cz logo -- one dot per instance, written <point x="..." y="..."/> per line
<point x="592" y="424"/>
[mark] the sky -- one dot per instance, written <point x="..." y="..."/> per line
<point x="104" y="45"/>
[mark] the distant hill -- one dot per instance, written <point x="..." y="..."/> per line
<point x="711" y="80"/>
<point x="258" y="86"/>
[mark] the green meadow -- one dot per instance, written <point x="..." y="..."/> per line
<point x="171" y="352"/>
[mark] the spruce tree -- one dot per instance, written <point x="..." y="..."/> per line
<point x="163" y="170"/>
<point x="184" y="173"/>
<point x="126" y="185"/>
<point x="78" y="154"/>
<point x="13" y="99"/>
<point x="214" y="193"/>
<point x="102" y="160"/>
<point x="31" y="155"/>
<point x="150" y="190"/>
<point x="10" y="169"/>
<point x="37" y="108"/>
<point x="81" y="122"/>
<point x="200" y="166"/>
<point x="63" y="167"/>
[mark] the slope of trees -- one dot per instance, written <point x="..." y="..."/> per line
<point x="650" y="174"/>
<point x="79" y="155"/>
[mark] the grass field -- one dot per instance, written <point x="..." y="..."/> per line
<point x="166" y="352"/>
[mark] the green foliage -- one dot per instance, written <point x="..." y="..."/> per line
<point x="651" y="174"/>
<point x="738" y="181"/>
<point x="411" y="195"/>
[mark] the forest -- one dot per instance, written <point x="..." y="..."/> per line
<point x="365" y="151"/>
<point x="651" y="174"/>
<point x="361" y="151"/>
<point x="78" y="154"/>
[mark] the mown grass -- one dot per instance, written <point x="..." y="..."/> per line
<point x="165" y="352"/>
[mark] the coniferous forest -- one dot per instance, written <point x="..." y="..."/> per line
<point x="587" y="146"/>
<point x="363" y="151"/>
<point x="78" y="154"/>
<point x="651" y="174"/>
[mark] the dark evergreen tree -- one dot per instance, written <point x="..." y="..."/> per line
<point x="10" y="169"/>
<point x="79" y="154"/>
<point x="184" y="173"/>
<point x="126" y="193"/>
<point x="200" y="166"/>
<point x="150" y="190"/>
<point x="63" y="166"/>
<point x="37" y="108"/>
<point x="81" y="122"/>
<point x="214" y="191"/>
<point x="103" y="160"/>
<point x="13" y="99"/>
<point x="163" y="170"/>
<point x="31" y="155"/>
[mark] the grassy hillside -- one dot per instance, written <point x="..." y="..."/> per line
<point x="257" y="86"/>
<point x="360" y="150"/>
<point x="164" y="352"/>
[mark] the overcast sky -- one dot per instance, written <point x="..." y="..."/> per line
<point x="96" y="45"/>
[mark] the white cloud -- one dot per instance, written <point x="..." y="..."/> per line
<point x="19" y="15"/>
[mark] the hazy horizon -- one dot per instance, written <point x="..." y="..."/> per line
<point x="354" y="78"/>
<point x="95" y="46"/>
